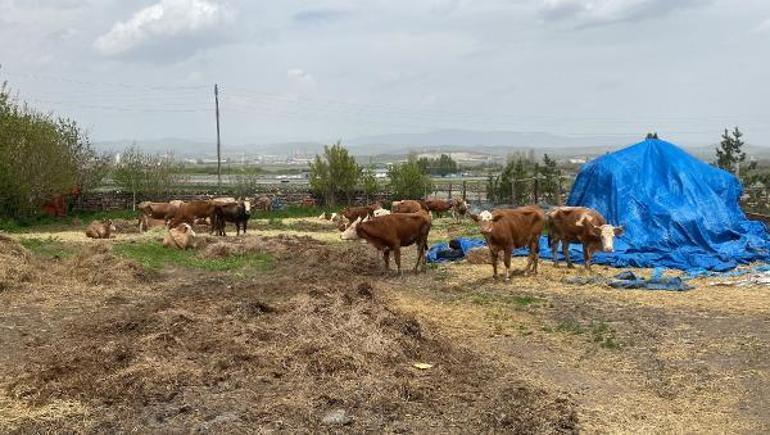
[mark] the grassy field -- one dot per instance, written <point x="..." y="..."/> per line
<point x="281" y="328"/>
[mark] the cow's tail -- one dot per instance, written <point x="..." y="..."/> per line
<point x="550" y="230"/>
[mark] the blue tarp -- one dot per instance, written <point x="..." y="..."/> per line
<point x="678" y="212"/>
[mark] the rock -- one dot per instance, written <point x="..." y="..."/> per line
<point x="337" y="417"/>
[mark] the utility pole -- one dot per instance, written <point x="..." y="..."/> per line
<point x="219" y="141"/>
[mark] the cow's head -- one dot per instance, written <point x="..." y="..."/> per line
<point x="460" y="205"/>
<point x="247" y="207"/>
<point x="350" y="233"/>
<point x="486" y="221"/>
<point x="110" y="226"/>
<point x="381" y="212"/>
<point x="606" y="233"/>
<point x="394" y="206"/>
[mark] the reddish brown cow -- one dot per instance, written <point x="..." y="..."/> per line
<point x="508" y="229"/>
<point x="159" y="210"/>
<point x="190" y="211"/>
<point x="438" y="206"/>
<point x="408" y="206"/>
<point x="579" y="225"/>
<point x="390" y="232"/>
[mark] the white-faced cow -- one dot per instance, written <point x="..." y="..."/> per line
<point x="390" y="232"/>
<point x="580" y="225"/>
<point x="509" y="229"/>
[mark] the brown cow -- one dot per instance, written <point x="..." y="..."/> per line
<point x="263" y="203"/>
<point x="408" y="206"/>
<point x="507" y="229"/>
<point x="236" y="212"/>
<point x="439" y="206"/>
<point x="100" y="229"/>
<point x="579" y="225"/>
<point x="159" y="210"/>
<point x="190" y="211"/>
<point x="391" y="232"/>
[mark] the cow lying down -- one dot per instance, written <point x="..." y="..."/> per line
<point x="509" y="229"/>
<point x="390" y="232"/>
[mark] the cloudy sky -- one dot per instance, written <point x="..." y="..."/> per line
<point x="327" y="69"/>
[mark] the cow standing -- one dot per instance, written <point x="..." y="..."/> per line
<point x="188" y="212"/>
<point x="389" y="233"/>
<point x="236" y="212"/>
<point x="438" y="206"/>
<point x="509" y="229"/>
<point x="459" y="209"/>
<point x="579" y="225"/>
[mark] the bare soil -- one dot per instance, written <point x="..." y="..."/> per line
<point x="95" y="343"/>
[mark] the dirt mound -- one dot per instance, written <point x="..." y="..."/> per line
<point x="230" y="360"/>
<point x="98" y="266"/>
<point x="15" y="267"/>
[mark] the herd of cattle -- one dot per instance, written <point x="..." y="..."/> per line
<point x="407" y="223"/>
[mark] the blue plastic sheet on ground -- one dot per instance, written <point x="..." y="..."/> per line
<point x="678" y="211"/>
<point x="441" y="252"/>
<point x="628" y="280"/>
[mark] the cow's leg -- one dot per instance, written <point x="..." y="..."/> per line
<point x="397" y="257"/>
<point x="245" y="224"/>
<point x="587" y="257"/>
<point x="493" y="255"/>
<point x="534" y="251"/>
<point x="386" y="257"/>
<point x="507" y="263"/>
<point x="420" y="254"/>
<point x="565" y="251"/>
<point x="554" y="249"/>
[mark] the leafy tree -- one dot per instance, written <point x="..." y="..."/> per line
<point x="40" y="156"/>
<point x="730" y="152"/>
<point x="335" y="174"/>
<point x="369" y="183"/>
<point x="408" y="181"/>
<point x="513" y="176"/>
<point x="442" y="166"/>
<point x="550" y="175"/>
<point x="156" y="176"/>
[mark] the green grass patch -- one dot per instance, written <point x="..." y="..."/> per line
<point x="290" y="212"/>
<point x="153" y="255"/>
<point x="570" y="327"/>
<point x="44" y="221"/>
<point x="49" y="247"/>
<point x="598" y="331"/>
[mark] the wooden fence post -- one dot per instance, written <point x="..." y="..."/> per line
<point x="450" y="191"/>
<point x="535" y="190"/>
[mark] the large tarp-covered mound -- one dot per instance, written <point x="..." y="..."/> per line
<point x="677" y="211"/>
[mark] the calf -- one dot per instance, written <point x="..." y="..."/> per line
<point x="509" y="229"/>
<point x="100" y="229"/>
<point x="459" y="209"/>
<point x="181" y="237"/>
<point x="580" y="225"/>
<point x="235" y="212"/>
<point x="389" y="233"/>
<point x="408" y="206"/>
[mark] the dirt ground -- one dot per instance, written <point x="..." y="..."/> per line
<point x="325" y="340"/>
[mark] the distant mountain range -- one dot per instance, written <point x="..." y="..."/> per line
<point x="491" y="143"/>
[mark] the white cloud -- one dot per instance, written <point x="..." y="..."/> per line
<point x="599" y="12"/>
<point x="163" y="21"/>
<point x="300" y="80"/>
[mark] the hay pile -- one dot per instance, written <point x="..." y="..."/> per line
<point x="15" y="264"/>
<point x="478" y="256"/>
<point x="98" y="266"/>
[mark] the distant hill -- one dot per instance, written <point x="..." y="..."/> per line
<point x="479" y="143"/>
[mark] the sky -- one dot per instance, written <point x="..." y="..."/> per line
<point x="323" y="70"/>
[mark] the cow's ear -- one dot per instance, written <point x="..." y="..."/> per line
<point x="619" y="230"/>
<point x="475" y="217"/>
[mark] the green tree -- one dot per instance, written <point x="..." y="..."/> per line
<point x="156" y="176"/>
<point x="513" y="176"/>
<point x="730" y="152"/>
<point x="442" y="166"/>
<point x="550" y="178"/>
<point x="40" y="156"/>
<point x="408" y="181"/>
<point x="369" y="184"/>
<point x="335" y="175"/>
